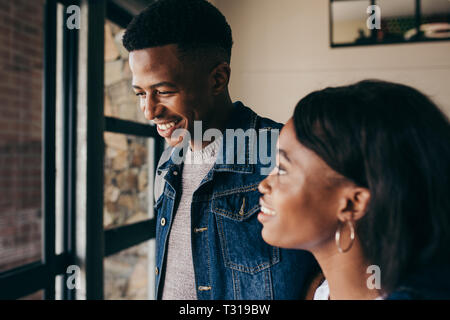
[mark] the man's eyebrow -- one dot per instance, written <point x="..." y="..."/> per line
<point x="284" y="154"/>
<point x="159" y="84"/>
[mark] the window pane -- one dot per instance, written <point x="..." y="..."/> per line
<point x="127" y="192"/>
<point x="21" y="69"/>
<point x="128" y="274"/>
<point x="120" y="99"/>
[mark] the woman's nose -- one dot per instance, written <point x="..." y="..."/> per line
<point x="264" y="186"/>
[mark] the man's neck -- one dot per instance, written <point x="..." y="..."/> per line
<point x="220" y="114"/>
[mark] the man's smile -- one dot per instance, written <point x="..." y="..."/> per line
<point x="166" y="128"/>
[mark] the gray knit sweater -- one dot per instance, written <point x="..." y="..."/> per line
<point x="179" y="283"/>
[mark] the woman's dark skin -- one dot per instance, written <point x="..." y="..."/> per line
<point x="304" y="202"/>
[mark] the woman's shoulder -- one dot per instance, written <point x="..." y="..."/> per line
<point x="428" y="284"/>
<point x="404" y="293"/>
<point x="415" y="294"/>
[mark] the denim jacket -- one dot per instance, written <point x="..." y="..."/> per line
<point x="427" y="283"/>
<point x="231" y="260"/>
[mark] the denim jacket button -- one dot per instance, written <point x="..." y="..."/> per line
<point x="163" y="222"/>
<point x="197" y="230"/>
<point x="204" y="288"/>
<point x="156" y="270"/>
<point x="175" y="173"/>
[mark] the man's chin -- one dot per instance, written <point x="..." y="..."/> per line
<point x="176" y="139"/>
<point x="171" y="142"/>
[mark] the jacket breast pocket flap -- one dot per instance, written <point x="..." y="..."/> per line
<point x="239" y="231"/>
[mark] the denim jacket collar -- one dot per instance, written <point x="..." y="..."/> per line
<point x="243" y="118"/>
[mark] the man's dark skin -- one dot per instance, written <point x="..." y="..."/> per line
<point x="181" y="90"/>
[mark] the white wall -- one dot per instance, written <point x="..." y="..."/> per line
<point x="282" y="52"/>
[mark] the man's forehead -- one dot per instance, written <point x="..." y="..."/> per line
<point x="150" y="59"/>
<point x="149" y="66"/>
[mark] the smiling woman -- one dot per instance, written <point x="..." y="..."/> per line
<point x="362" y="179"/>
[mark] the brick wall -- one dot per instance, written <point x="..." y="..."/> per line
<point x="21" y="69"/>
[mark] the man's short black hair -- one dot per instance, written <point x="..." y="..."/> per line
<point x="190" y="24"/>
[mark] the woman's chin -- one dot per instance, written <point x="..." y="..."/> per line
<point x="270" y="238"/>
<point x="280" y="240"/>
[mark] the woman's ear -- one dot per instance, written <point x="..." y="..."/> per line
<point x="220" y="77"/>
<point x="354" y="204"/>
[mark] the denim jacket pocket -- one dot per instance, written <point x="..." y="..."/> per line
<point x="242" y="246"/>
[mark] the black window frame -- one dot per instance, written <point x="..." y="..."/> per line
<point x="27" y="279"/>
<point x="127" y="236"/>
<point x="41" y="275"/>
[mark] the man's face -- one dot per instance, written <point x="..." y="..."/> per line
<point x="173" y="94"/>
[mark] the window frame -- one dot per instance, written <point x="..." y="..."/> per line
<point x="26" y="279"/>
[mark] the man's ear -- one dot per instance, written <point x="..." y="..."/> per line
<point x="220" y="77"/>
<point x="354" y="204"/>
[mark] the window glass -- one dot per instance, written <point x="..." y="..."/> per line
<point x="120" y="99"/>
<point x="128" y="170"/>
<point x="129" y="275"/>
<point x="21" y="71"/>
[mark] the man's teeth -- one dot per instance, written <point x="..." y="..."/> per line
<point x="166" y="126"/>
<point x="267" y="211"/>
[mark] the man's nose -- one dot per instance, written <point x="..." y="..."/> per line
<point x="148" y="106"/>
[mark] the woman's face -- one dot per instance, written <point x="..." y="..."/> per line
<point x="301" y="197"/>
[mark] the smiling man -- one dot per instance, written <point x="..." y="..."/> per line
<point x="209" y="243"/>
<point x="172" y="88"/>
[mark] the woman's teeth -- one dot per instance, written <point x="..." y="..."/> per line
<point x="267" y="211"/>
<point x="166" y="126"/>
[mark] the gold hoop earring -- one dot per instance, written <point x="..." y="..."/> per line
<point x="338" y="236"/>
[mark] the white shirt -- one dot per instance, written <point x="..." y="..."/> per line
<point x="323" y="292"/>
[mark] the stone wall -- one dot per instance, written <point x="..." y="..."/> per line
<point x="127" y="197"/>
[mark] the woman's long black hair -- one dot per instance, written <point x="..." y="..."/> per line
<point x="393" y="140"/>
